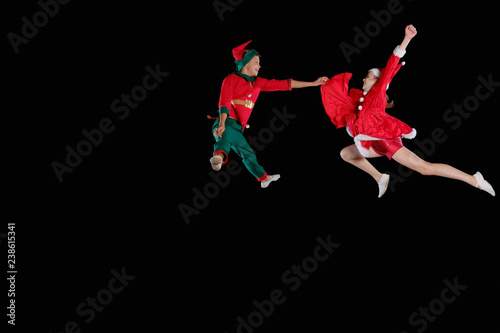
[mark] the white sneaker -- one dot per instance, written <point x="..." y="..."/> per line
<point x="483" y="184"/>
<point x="382" y="184"/>
<point x="216" y="162"/>
<point x="265" y="184"/>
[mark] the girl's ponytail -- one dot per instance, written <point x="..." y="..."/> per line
<point x="389" y="105"/>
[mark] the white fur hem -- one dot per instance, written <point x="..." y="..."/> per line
<point x="411" y="135"/>
<point x="362" y="137"/>
<point x="348" y="131"/>
<point x="398" y="52"/>
<point x="363" y="151"/>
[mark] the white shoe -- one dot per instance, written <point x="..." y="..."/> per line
<point x="216" y="162"/>
<point x="483" y="184"/>
<point x="265" y="184"/>
<point x="382" y="184"/>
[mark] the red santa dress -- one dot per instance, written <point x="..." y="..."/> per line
<point x="363" y="112"/>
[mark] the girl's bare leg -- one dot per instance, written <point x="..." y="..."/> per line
<point x="351" y="155"/>
<point x="410" y="160"/>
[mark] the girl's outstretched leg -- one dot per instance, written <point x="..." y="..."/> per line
<point x="410" y="160"/>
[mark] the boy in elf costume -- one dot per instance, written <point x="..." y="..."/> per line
<point x="238" y="95"/>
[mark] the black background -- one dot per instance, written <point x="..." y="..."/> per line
<point x="120" y="207"/>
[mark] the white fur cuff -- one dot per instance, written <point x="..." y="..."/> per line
<point x="410" y="135"/>
<point x="398" y="52"/>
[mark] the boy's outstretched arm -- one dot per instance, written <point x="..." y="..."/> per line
<point x="302" y="84"/>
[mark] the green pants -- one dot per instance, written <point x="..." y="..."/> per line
<point x="233" y="138"/>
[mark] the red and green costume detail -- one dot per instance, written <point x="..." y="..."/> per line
<point x="238" y="95"/>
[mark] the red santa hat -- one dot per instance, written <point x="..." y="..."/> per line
<point x="243" y="56"/>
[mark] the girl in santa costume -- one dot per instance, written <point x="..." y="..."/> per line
<point x="375" y="132"/>
<point x="238" y="95"/>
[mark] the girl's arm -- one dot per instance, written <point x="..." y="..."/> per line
<point x="389" y="71"/>
<point x="410" y="32"/>
<point x="301" y="84"/>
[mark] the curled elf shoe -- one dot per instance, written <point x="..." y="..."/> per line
<point x="216" y="162"/>
<point x="271" y="178"/>
<point x="382" y="184"/>
<point x="483" y="184"/>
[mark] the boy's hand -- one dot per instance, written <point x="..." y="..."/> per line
<point x="219" y="130"/>
<point x="320" y="81"/>
<point x="410" y="31"/>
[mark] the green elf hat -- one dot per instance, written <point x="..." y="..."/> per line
<point x="243" y="56"/>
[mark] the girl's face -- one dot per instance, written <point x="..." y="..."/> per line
<point x="369" y="80"/>
<point x="252" y="68"/>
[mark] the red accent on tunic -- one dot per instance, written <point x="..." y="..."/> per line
<point x="236" y="87"/>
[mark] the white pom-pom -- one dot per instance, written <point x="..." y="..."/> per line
<point x="361" y="99"/>
<point x="403" y="63"/>
<point x="360" y="107"/>
<point x="375" y="72"/>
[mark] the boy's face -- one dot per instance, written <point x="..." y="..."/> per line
<point x="252" y="68"/>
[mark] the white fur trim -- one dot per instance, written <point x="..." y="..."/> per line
<point x="375" y="72"/>
<point x="398" y="52"/>
<point x="362" y="137"/>
<point x="411" y="135"/>
<point x="348" y="131"/>
<point x="362" y="150"/>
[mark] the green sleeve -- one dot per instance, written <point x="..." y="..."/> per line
<point x="224" y="109"/>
